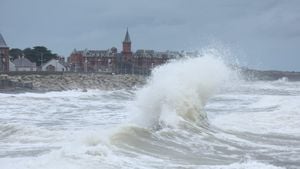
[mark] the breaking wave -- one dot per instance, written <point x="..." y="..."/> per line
<point x="178" y="91"/>
<point x="248" y="124"/>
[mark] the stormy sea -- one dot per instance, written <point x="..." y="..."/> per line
<point x="193" y="113"/>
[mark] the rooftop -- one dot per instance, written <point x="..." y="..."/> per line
<point x="2" y="42"/>
<point x="23" y="62"/>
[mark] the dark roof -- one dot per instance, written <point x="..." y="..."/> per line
<point x="23" y="62"/>
<point x="156" y="54"/>
<point x="95" y="53"/>
<point x="144" y="53"/>
<point x="127" y="37"/>
<point x="2" y="42"/>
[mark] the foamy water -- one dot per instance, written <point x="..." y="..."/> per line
<point x="191" y="114"/>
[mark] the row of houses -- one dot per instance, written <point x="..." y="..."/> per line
<point x="24" y="64"/>
<point x="126" y="61"/>
<point x="109" y="60"/>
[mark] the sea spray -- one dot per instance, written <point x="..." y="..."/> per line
<point x="169" y="108"/>
<point x="179" y="90"/>
<point x="254" y="124"/>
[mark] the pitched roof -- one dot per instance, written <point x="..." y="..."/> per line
<point x="56" y="61"/>
<point x="23" y="62"/>
<point x="127" y="37"/>
<point x="2" y="42"/>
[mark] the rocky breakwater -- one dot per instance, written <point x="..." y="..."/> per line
<point x="8" y="84"/>
<point x="70" y="81"/>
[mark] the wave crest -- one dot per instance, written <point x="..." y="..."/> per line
<point x="179" y="90"/>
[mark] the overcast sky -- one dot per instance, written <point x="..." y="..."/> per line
<point x="262" y="34"/>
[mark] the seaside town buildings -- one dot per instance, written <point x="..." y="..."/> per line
<point x="22" y="64"/>
<point x="112" y="61"/>
<point x="108" y="61"/>
<point x="54" y="65"/>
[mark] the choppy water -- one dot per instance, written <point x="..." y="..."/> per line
<point x="243" y="125"/>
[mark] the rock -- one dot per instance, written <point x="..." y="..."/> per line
<point x="28" y="85"/>
<point x="3" y="77"/>
<point x="73" y="81"/>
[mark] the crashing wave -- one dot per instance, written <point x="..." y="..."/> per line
<point x="178" y="91"/>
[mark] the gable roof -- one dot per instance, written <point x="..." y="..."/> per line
<point x="23" y="62"/>
<point x="56" y="62"/>
<point x="2" y="42"/>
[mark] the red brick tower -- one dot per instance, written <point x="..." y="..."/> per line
<point x="127" y="47"/>
<point x="4" y="55"/>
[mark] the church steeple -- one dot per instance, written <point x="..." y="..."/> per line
<point x="127" y="37"/>
<point x="127" y="46"/>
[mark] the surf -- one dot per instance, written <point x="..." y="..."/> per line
<point x="179" y="90"/>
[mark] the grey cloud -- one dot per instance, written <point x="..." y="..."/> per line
<point x="263" y="31"/>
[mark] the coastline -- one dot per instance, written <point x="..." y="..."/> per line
<point x="39" y="82"/>
<point x="268" y="75"/>
<point x="68" y="81"/>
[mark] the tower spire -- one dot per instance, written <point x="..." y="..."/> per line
<point x="127" y="46"/>
<point x="127" y="37"/>
<point x="2" y="42"/>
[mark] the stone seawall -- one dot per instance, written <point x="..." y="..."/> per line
<point x="47" y="81"/>
<point x="7" y="84"/>
<point x="69" y="81"/>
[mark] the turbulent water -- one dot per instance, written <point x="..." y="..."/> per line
<point x="193" y="113"/>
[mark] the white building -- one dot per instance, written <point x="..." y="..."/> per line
<point x="12" y="66"/>
<point x="53" y="65"/>
<point x="23" y="64"/>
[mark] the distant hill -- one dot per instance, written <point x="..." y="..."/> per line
<point x="252" y="74"/>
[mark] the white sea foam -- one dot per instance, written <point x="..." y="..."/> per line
<point x="180" y="89"/>
<point x="251" y="124"/>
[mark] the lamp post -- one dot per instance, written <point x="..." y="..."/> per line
<point x="98" y="64"/>
<point x="41" y="60"/>
<point x="85" y="64"/>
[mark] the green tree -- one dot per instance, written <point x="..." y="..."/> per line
<point x="15" y="53"/>
<point x="39" y="54"/>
